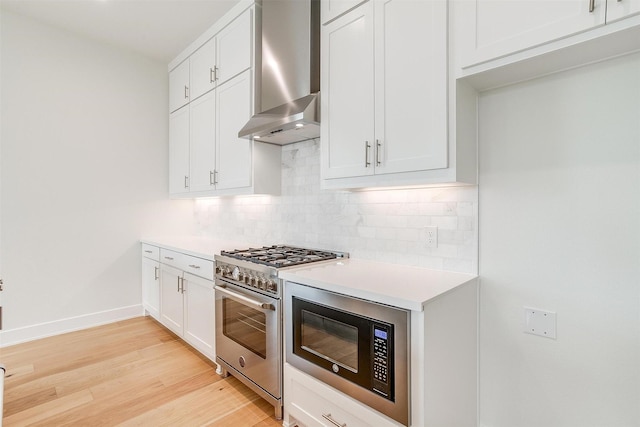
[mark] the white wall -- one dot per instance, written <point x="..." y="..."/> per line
<point x="84" y="175"/>
<point x="559" y="212"/>
<point x="377" y="225"/>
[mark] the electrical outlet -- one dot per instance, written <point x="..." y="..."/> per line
<point x="540" y="322"/>
<point x="431" y="236"/>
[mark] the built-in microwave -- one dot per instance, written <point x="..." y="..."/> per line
<point x="358" y="347"/>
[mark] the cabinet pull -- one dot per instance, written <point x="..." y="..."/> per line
<point x="592" y="5"/>
<point x="178" y="284"/>
<point x="181" y="285"/>
<point x="367" y="146"/>
<point x="213" y="177"/>
<point x="211" y="75"/>
<point x="148" y="251"/>
<point x="155" y="273"/>
<point x="186" y="92"/>
<point x="194" y="266"/>
<point x="378" y="146"/>
<point x="186" y="181"/>
<point x="329" y="418"/>
<point x="215" y="73"/>
<point x="170" y="258"/>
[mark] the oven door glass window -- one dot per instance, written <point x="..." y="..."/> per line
<point x="245" y="325"/>
<point x="330" y="339"/>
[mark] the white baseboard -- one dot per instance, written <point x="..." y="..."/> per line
<point x="57" y="327"/>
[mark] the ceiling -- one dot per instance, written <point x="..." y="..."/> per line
<point x="158" y="29"/>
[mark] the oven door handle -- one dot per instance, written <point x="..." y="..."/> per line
<point x="250" y="302"/>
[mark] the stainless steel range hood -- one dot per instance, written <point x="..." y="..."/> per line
<point x="290" y="77"/>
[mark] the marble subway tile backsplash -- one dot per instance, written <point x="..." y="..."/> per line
<point x="383" y="225"/>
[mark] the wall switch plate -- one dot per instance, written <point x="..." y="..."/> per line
<point x="540" y="322"/>
<point x="431" y="236"/>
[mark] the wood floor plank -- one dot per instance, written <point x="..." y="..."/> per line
<point x="128" y="373"/>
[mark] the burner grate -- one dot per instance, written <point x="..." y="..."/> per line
<point x="280" y="255"/>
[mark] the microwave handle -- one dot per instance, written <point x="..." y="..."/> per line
<point x="244" y="300"/>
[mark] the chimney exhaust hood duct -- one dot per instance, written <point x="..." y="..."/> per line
<point x="289" y="83"/>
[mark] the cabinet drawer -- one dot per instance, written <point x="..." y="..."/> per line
<point x="198" y="266"/>
<point x="313" y="403"/>
<point x="152" y="252"/>
<point x="191" y="264"/>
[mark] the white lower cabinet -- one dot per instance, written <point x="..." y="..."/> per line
<point x="311" y="403"/>
<point x="151" y="280"/>
<point x="187" y="301"/>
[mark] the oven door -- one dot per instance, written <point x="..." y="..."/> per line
<point x="248" y="336"/>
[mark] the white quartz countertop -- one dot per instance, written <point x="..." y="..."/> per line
<point x="392" y="284"/>
<point x="201" y="247"/>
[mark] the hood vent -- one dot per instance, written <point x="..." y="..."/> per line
<point x="290" y="77"/>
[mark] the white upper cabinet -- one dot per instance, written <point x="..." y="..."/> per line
<point x="179" y="86"/>
<point x="502" y="27"/>
<point x="234" y="48"/>
<point x="495" y="33"/>
<point x="347" y="76"/>
<point x="179" y="152"/>
<point x="385" y="91"/>
<point x="222" y="57"/>
<point x="203" y="69"/>
<point x="411" y="90"/>
<point x="233" y="154"/>
<point x="206" y="156"/>
<point x="202" y="152"/>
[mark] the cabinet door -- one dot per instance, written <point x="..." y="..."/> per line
<point x="179" y="86"/>
<point x="411" y="85"/>
<point x="202" y="69"/>
<point x="151" y="287"/>
<point x="348" y="95"/>
<point x="234" y="47"/>
<point x="202" y="142"/>
<point x="171" y="299"/>
<point x="621" y="9"/>
<point x="233" y="154"/>
<point x="179" y="151"/>
<point x="500" y="27"/>
<point x="199" y="323"/>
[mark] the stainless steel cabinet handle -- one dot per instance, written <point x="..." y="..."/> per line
<point x="250" y="302"/>
<point x="211" y="75"/>
<point x="329" y="418"/>
<point x="170" y="258"/>
<point x="194" y="266"/>
<point x="186" y="181"/>
<point x="186" y="92"/>
<point x="215" y="73"/>
<point x="182" y="285"/>
<point x="148" y="251"/>
<point x="592" y="5"/>
<point x="155" y="273"/>
<point x="212" y="177"/>
<point x="367" y="146"/>
<point x="178" y="284"/>
<point x="378" y="147"/>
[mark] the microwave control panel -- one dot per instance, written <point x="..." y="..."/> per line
<point x="382" y="349"/>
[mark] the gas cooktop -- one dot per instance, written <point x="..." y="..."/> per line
<point x="281" y="255"/>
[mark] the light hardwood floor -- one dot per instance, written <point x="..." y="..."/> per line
<point x="129" y="373"/>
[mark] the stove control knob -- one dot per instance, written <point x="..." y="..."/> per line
<point x="235" y="274"/>
<point x="272" y="286"/>
<point x="218" y="269"/>
<point x="252" y="281"/>
<point x="247" y="278"/>
<point x="261" y="283"/>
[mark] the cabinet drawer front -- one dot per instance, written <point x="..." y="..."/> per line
<point x="316" y="404"/>
<point x="198" y="266"/>
<point x="152" y="252"/>
<point x="171" y="258"/>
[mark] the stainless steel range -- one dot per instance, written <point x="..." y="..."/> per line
<point x="249" y="314"/>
